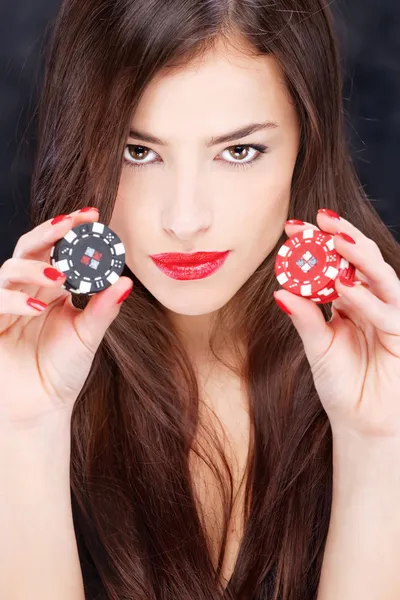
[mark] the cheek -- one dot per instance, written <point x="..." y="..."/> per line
<point x="127" y="204"/>
<point x="134" y="218"/>
<point x="261" y="201"/>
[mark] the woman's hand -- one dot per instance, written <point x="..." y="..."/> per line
<point x="47" y="346"/>
<point x="355" y="358"/>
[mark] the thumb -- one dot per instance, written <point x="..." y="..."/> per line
<point x="309" y="321"/>
<point x="92" y="322"/>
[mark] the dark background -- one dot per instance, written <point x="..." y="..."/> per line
<point x="369" y="33"/>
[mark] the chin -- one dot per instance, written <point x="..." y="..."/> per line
<point x="194" y="304"/>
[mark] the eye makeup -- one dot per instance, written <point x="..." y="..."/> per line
<point x="259" y="148"/>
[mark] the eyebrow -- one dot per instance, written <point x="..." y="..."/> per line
<point x="220" y="139"/>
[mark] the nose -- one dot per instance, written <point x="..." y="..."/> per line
<point x="187" y="212"/>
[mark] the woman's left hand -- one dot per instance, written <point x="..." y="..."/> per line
<point x="355" y="357"/>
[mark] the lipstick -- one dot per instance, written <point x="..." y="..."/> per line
<point x="189" y="266"/>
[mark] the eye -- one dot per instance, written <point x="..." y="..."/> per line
<point x="132" y="151"/>
<point x="240" y="152"/>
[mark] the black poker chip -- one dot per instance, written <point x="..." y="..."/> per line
<point x="91" y="256"/>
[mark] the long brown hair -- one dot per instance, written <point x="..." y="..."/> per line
<point x="139" y="530"/>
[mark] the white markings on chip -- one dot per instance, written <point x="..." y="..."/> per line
<point x="330" y="244"/>
<point x="119" y="249"/>
<point x="63" y="265"/>
<point x="97" y="227"/>
<point x="113" y="277"/>
<point x="84" y="287"/>
<point x="283" y="250"/>
<point x="282" y="278"/>
<point x="305" y="290"/>
<point x="331" y="272"/>
<point x="87" y="254"/>
<point x="70" y="236"/>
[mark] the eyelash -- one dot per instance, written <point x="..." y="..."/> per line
<point x="238" y="165"/>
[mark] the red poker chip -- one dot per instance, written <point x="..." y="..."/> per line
<point x="308" y="264"/>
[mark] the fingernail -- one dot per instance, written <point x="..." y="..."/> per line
<point x="294" y="222"/>
<point x="53" y="274"/>
<point x="59" y="218"/>
<point x="363" y="283"/>
<point x="329" y="213"/>
<point x="281" y="305"/>
<point x="88" y="208"/>
<point x="125" y="295"/>
<point x="345" y="237"/>
<point x="346" y="282"/>
<point x="37" y="304"/>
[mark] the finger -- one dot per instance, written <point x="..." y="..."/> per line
<point x="26" y="271"/>
<point x="44" y="236"/>
<point x="19" y="303"/>
<point x="384" y="317"/>
<point x="40" y="239"/>
<point x="365" y="255"/>
<point x="347" y="310"/>
<point x="37" y="243"/>
<point x="310" y="323"/>
<point x="294" y="226"/>
<point x="83" y="212"/>
<point x="92" y="322"/>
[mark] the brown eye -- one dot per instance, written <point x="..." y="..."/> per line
<point x="136" y="156"/>
<point x="137" y="152"/>
<point x="239" y="152"/>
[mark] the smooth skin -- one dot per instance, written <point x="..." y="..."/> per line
<point x="45" y="358"/>
<point x="189" y="196"/>
<point x="355" y="358"/>
<point x="191" y="200"/>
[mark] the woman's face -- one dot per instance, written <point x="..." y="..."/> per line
<point x="190" y="194"/>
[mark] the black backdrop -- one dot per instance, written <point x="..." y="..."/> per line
<point x="369" y="35"/>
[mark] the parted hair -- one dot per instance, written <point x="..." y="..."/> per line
<point x="139" y="527"/>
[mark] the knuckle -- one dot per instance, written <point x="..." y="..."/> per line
<point x="6" y="269"/>
<point x="21" y="267"/>
<point x="22" y="237"/>
<point x="390" y="271"/>
<point x="374" y="247"/>
<point x="19" y="248"/>
<point x="6" y="264"/>
<point x="13" y="263"/>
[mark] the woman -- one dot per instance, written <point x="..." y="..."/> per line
<point x="217" y="441"/>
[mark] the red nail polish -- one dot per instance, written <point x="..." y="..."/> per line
<point x="294" y="222"/>
<point x="329" y="213"/>
<point x="346" y="282"/>
<point x="37" y="304"/>
<point x="88" y="208"/>
<point x="53" y="274"/>
<point x="125" y="295"/>
<point x="346" y="237"/>
<point x="59" y="218"/>
<point x="282" y="306"/>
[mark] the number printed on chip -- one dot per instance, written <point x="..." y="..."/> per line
<point x="91" y="256"/>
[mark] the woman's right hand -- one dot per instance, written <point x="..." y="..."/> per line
<point x="46" y="355"/>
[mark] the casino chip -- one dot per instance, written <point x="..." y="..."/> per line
<point x="92" y="257"/>
<point x="307" y="264"/>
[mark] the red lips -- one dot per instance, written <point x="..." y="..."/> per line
<point x="196" y="258"/>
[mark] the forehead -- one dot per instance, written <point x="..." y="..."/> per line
<point x="227" y="87"/>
